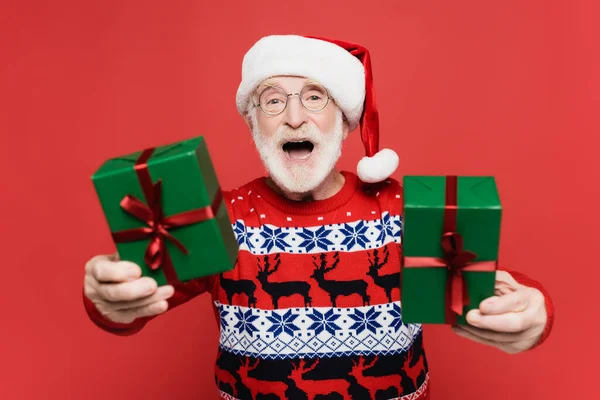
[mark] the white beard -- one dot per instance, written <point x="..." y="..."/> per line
<point x="299" y="177"/>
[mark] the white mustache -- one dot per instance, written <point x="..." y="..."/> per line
<point x="305" y="133"/>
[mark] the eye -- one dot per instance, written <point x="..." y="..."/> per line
<point x="272" y="100"/>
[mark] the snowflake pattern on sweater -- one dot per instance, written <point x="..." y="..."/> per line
<point x="312" y="308"/>
<point x="354" y="236"/>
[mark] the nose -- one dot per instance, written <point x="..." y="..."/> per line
<point x="295" y="113"/>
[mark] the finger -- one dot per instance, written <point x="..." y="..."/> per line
<point x="92" y="261"/>
<point x="512" y="302"/>
<point x="502" y="289"/>
<point x="105" y="270"/>
<point x="149" y="310"/>
<point x="162" y="293"/>
<point x="498" y="337"/>
<point x="102" y="257"/>
<point x="508" y="322"/>
<point x="470" y="336"/>
<point x="126" y="291"/>
<point x="506" y="279"/>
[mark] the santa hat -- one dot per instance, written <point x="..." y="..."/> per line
<point x="343" y="68"/>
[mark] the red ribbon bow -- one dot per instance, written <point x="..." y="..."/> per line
<point x="157" y="228"/>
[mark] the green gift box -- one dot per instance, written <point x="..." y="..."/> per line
<point x="165" y="210"/>
<point x="450" y="239"/>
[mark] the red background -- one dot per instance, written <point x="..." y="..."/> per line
<point x="467" y="87"/>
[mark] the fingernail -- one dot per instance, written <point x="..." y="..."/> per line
<point x="133" y="271"/>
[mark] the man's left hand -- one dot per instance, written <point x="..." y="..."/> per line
<point x="513" y="320"/>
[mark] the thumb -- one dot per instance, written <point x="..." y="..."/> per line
<point x="512" y="302"/>
<point x="505" y="283"/>
<point x="115" y="256"/>
<point x="505" y="278"/>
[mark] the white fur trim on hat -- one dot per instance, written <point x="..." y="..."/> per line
<point x="334" y="67"/>
<point x="379" y="167"/>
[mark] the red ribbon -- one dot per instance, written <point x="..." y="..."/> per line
<point x="156" y="255"/>
<point x="456" y="260"/>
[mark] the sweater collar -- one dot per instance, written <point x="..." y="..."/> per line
<point x="351" y="184"/>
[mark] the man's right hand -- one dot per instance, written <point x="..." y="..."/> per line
<point x="120" y="293"/>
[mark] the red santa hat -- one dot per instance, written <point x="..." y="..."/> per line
<point x="343" y="68"/>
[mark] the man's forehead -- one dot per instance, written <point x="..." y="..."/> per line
<point x="279" y="81"/>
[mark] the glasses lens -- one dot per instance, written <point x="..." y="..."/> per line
<point x="314" y="97"/>
<point x="272" y="100"/>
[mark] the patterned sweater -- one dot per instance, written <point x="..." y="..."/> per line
<point x="312" y="309"/>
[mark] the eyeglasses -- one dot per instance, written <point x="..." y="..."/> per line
<point x="273" y="100"/>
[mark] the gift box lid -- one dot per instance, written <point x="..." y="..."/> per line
<point x="473" y="192"/>
<point x="118" y="164"/>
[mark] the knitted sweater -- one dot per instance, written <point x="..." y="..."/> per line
<point x="312" y="308"/>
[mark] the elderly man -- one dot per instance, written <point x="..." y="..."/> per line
<point x="312" y="308"/>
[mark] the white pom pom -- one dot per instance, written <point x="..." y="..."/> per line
<point x="379" y="167"/>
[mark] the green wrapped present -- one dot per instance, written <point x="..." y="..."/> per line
<point x="450" y="239"/>
<point x="165" y="210"/>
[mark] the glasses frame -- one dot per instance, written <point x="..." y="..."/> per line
<point x="288" y="95"/>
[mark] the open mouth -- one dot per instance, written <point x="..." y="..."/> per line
<point x="298" y="150"/>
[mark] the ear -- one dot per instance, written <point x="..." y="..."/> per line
<point x="346" y="129"/>
<point x="248" y="121"/>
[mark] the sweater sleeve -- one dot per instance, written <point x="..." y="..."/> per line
<point x="526" y="281"/>
<point x="183" y="293"/>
